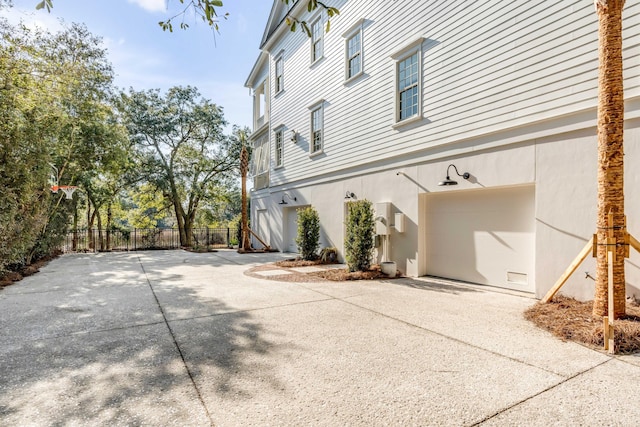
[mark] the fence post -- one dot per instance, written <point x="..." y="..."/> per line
<point x="135" y="243"/>
<point x="228" y="237"/>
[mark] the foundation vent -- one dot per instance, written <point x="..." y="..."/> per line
<point x="514" y="278"/>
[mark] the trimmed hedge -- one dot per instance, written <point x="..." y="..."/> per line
<point x="359" y="243"/>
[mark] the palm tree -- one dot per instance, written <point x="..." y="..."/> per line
<point x="610" y="155"/>
<point x="245" y="244"/>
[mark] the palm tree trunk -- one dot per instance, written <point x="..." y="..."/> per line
<point x="244" y="166"/>
<point x="610" y="156"/>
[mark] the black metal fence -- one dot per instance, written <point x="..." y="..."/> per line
<point x="137" y="239"/>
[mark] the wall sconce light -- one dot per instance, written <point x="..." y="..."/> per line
<point x="350" y="195"/>
<point x="294" y="136"/>
<point x="284" y="202"/>
<point x="449" y="181"/>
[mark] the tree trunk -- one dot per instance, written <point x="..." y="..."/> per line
<point x="188" y="230"/>
<point x="610" y="156"/>
<point x="244" y="166"/>
<point x="100" y="234"/>
<point x="180" y="220"/>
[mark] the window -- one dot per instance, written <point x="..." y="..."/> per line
<point x="260" y="105"/>
<point x="408" y="87"/>
<point x="260" y="163"/>
<point x="408" y="64"/>
<point x="354" y="55"/>
<point x="316" y="129"/>
<point x="316" y="40"/>
<point x="279" y="74"/>
<point x="354" y="64"/>
<point x="279" y="148"/>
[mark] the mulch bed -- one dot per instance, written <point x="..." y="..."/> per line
<point x="11" y="277"/>
<point x="331" y="274"/>
<point x="572" y="320"/>
<point x="341" y="275"/>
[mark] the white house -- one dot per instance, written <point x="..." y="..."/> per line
<point x="381" y="105"/>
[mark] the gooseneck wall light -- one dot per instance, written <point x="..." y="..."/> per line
<point x="284" y="202"/>
<point x="449" y="181"/>
<point x="349" y="195"/>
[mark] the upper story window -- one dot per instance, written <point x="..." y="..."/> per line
<point x="261" y="105"/>
<point x="317" y="38"/>
<point x="354" y="65"/>
<point x="279" y="73"/>
<point x="260" y="162"/>
<point x="354" y="55"/>
<point x="316" y="141"/>
<point x="408" y="87"/>
<point x="279" y="145"/>
<point x="409" y="82"/>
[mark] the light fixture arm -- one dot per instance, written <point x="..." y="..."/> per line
<point x="465" y="175"/>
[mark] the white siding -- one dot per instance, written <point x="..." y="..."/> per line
<point x="488" y="66"/>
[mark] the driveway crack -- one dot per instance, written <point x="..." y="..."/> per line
<point x="175" y="342"/>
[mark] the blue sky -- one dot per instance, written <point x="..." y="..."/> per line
<point x="145" y="57"/>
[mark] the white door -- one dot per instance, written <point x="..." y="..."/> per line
<point x="261" y="228"/>
<point x="291" y="230"/>
<point x="482" y="236"/>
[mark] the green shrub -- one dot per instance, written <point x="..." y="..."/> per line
<point x="360" y="232"/>
<point x="308" y="238"/>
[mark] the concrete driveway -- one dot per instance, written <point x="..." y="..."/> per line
<point x="177" y="338"/>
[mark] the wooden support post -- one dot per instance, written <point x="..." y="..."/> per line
<point x="611" y="257"/>
<point x="588" y="248"/>
<point x="607" y="331"/>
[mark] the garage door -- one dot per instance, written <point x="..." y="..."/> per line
<point x="482" y="236"/>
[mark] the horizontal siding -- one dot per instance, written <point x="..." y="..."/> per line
<point x="491" y="65"/>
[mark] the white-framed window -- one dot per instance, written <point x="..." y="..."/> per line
<point x="261" y="104"/>
<point x="354" y="63"/>
<point x="408" y="89"/>
<point x="317" y="40"/>
<point x="279" y="74"/>
<point x="279" y="146"/>
<point x="259" y="168"/>
<point x="354" y="55"/>
<point x="316" y="142"/>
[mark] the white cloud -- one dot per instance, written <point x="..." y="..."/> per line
<point x="151" y="5"/>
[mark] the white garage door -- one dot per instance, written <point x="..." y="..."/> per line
<point x="482" y="236"/>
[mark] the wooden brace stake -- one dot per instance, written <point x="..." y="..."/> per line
<point x="259" y="239"/>
<point x="591" y="245"/>
<point x="588" y="248"/>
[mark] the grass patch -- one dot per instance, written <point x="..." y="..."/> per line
<point x="571" y="320"/>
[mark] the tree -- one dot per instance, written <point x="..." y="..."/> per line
<point x="610" y="156"/>
<point x="186" y="154"/>
<point x="206" y="10"/>
<point x="53" y="89"/>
